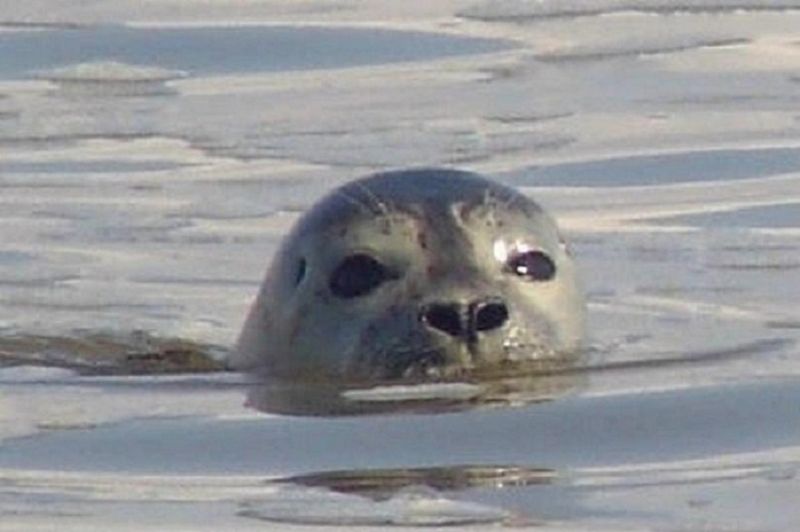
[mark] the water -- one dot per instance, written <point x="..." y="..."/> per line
<point x="144" y="185"/>
<point x="225" y="50"/>
<point x="551" y="435"/>
<point x="664" y="169"/>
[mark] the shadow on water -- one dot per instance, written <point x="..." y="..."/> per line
<point x="524" y="384"/>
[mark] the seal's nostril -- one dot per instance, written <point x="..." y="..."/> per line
<point x="446" y="318"/>
<point x="490" y="315"/>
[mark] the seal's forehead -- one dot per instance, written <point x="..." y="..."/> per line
<point x="412" y="191"/>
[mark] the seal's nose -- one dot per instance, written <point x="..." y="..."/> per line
<point x="445" y="317"/>
<point x="488" y="315"/>
<point x="465" y="320"/>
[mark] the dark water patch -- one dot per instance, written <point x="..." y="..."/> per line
<point x="14" y="258"/>
<point x="88" y="167"/>
<point x="781" y="216"/>
<point x="662" y="169"/>
<point x="232" y="49"/>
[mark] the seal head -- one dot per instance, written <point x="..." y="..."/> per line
<point x="422" y="273"/>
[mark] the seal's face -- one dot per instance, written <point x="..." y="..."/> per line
<point x="415" y="274"/>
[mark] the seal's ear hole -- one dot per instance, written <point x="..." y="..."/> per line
<point x="533" y="265"/>
<point x="300" y="273"/>
<point x="358" y="275"/>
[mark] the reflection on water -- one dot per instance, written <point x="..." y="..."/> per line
<point x="523" y="384"/>
<point x="519" y="386"/>
<point x="382" y="483"/>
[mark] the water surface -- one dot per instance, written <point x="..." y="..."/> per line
<point x="226" y="50"/>
<point x="664" y="169"/>
<point x="149" y="173"/>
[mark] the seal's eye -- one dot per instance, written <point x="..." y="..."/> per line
<point x="534" y="265"/>
<point x="358" y="275"/>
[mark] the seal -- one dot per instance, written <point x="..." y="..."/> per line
<point x="422" y="273"/>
